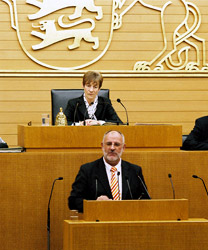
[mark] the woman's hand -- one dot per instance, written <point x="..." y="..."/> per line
<point x="90" y="122"/>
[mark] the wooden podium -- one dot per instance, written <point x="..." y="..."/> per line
<point x="140" y="137"/>
<point x="144" y="224"/>
<point x="136" y="210"/>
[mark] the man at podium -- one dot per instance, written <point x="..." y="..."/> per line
<point x="108" y="178"/>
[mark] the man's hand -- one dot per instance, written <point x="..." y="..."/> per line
<point x="103" y="198"/>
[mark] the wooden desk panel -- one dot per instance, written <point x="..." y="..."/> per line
<point x="142" y="136"/>
<point x="136" y="210"/>
<point x="168" y="235"/>
<point x="26" y="180"/>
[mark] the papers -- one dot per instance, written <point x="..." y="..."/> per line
<point x="12" y="150"/>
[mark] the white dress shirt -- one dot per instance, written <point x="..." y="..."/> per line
<point x="108" y="171"/>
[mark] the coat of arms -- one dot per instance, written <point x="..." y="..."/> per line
<point x="67" y="28"/>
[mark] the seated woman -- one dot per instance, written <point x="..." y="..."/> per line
<point x="91" y="109"/>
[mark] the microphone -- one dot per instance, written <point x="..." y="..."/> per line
<point x="170" y="176"/>
<point x="84" y="123"/>
<point x="127" y="180"/>
<point x="141" y="196"/>
<point x="48" y="220"/>
<point x="144" y="187"/>
<point x="75" y="112"/>
<point x="195" y="176"/>
<point x="127" y="119"/>
<point x="96" y="188"/>
<point x="118" y="174"/>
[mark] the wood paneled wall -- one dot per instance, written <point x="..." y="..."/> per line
<point x="148" y="100"/>
<point x="139" y="38"/>
<point x="169" y="97"/>
<point x="26" y="180"/>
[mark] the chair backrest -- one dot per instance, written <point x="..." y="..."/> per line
<point x="184" y="137"/>
<point x="60" y="98"/>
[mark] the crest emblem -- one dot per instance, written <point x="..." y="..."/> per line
<point x="74" y="34"/>
<point x="61" y="31"/>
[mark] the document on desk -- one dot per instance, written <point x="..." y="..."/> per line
<point x="12" y="150"/>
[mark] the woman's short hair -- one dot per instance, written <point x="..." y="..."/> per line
<point x="92" y="76"/>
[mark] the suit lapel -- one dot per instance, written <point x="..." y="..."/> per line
<point x="103" y="178"/>
<point x="125" y="173"/>
<point x="99" y="110"/>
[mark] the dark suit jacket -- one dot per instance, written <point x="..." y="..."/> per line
<point x="91" y="173"/>
<point x="198" y="138"/>
<point x="104" y="112"/>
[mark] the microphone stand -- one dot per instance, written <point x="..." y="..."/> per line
<point x="118" y="174"/>
<point x="195" y="176"/>
<point x="145" y="189"/>
<point x="170" y="177"/>
<point x="127" y="181"/>
<point x="96" y="188"/>
<point x="48" y="218"/>
<point x="127" y="119"/>
<point x="75" y="112"/>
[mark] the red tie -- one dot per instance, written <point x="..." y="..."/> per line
<point x="114" y="184"/>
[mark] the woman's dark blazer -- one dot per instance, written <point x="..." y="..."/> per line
<point x="76" y="110"/>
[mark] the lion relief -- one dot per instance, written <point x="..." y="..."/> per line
<point x="49" y="6"/>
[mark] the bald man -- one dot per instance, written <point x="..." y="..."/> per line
<point x="94" y="180"/>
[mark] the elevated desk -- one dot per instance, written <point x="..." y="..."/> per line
<point x="137" y="235"/>
<point x="136" y="210"/>
<point x="173" y="230"/>
<point x="140" y="137"/>
<point x="26" y="180"/>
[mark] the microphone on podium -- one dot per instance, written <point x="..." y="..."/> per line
<point x="127" y="119"/>
<point x="48" y="219"/>
<point x="144" y="187"/>
<point x="170" y="176"/>
<point x="118" y="174"/>
<point x="197" y="177"/>
<point x="75" y="112"/>
<point x="129" y="188"/>
<point x="96" y="188"/>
